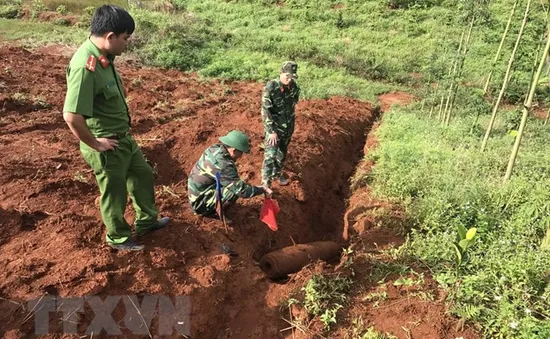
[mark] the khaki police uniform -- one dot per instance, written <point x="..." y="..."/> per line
<point x="94" y="90"/>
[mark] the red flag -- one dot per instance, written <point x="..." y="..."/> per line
<point x="269" y="212"/>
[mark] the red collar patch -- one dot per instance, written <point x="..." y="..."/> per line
<point x="90" y="64"/>
<point x="103" y="61"/>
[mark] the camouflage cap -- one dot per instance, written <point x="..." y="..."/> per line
<point x="290" y="68"/>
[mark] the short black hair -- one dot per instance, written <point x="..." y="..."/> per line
<point x="111" y="18"/>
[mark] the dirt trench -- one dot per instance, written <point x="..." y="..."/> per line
<point x="52" y="239"/>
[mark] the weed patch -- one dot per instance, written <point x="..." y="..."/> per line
<point x="445" y="184"/>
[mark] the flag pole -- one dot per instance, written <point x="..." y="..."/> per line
<point x="219" y="201"/>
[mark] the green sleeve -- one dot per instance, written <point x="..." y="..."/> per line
<point x="80" y="92"/>
<point x="267" y="119"/>
<point x="231" y="181"/>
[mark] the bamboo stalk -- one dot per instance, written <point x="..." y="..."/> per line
<point x="497" y="55"/>
<point x="427" y="93"/>
<point x="526" y="109"/>
<point x="436" y="90"/>
<point x="506" y="78"/>
<point x="440" y="107"/>
<point x="536" y="60"/>
<point x="450" y="75"/>
<point x="460" y="68"/>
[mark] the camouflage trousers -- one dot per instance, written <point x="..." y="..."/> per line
<point x="274" y="159"/>
<point x="205" y="203"/>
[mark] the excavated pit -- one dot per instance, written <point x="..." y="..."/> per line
<point x="53" y="239"/>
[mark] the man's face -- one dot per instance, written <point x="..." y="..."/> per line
<point x="286" y="78"/>
<point x="117" y="44"/>
<point x="236" y="155"/>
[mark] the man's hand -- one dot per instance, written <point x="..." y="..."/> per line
<point x="104" y="144"/>
<point x="78" y="126"/>
<point x="268" y="192"/>
<point x="272" y="139"/>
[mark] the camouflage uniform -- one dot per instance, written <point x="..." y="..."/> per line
<point x="278" y="103"/>
<point x="201" y="184"/>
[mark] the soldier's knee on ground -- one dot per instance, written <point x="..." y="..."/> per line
<point x="228" y="204"/>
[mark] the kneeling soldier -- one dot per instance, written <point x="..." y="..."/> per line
<point x="220" y="157"/>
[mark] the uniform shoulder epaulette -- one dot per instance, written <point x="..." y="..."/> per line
<point x="90" y="64"/>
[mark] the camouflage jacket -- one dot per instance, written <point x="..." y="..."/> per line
<point x="203" y="175"/>
<point x="278" y="102"/>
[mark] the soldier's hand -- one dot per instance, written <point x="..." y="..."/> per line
<point x="268" y="192"/>
<point x="104" y="144"/>
<point x="272" y="139"/>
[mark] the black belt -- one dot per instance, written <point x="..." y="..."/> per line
<point x="118" y="135"/>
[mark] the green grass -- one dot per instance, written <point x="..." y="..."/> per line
<point x="354" y="48"/>
<point x="443" y="181"/>
<point x="362" y="49"/>
<point x="367" y="39"/>
<point x="212" y="47"/>
<point x="322" y="296"/>
<point x="25" y="33"/>
<point x="76" y="6"/>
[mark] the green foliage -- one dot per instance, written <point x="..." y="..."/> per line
<point x="62" y="22"/>
<point x="511" y="119"/>
<point x="362" y="49"/>
<point x="90" y="10"/>
<point x="25" y="33"/>
<point x="323" y="296"/>
<point x="38" y="6"/>
<point x="62" y="9"/>
<point x="464" y="240"/>
<point x="360" y="330"/>
<point x="410" y="281"/>
<point x="361" y="46"/>
<point x="10" y="2"/>
<point x="10" y="12"/>
<point x="354" y="48"/>
<point x="445" y="184"/>
<point x="183" y="42"/>
<point x="407" y="4"/>
<point x="72" y="6"/>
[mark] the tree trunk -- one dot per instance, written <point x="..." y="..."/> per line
<point x="506" y="78"/>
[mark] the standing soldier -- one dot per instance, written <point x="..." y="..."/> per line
<point x="220" y="157"/>
<point x="96" y="112"/>
<point x="279" y="98"/>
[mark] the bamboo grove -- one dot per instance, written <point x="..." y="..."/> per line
<point x="475" y="13"/>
